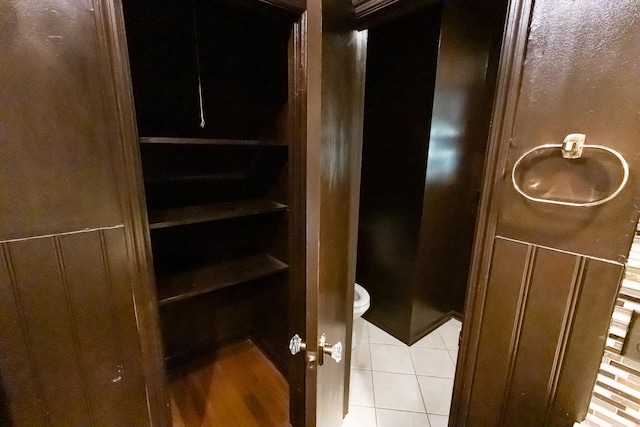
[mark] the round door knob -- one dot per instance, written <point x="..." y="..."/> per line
<point x="296" y="344"/>
<point x="334" y="350"/>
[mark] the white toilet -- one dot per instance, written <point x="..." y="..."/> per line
<point x="361" y="303"/>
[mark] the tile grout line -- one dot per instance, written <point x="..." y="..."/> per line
<point x="426" y="413"/>
<point x="414" y="373"/>
<point x="373" y="391"/>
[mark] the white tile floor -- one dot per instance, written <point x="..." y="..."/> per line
<point x="394" y="385"/>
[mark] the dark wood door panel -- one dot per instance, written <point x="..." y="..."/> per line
<point x="71" y="233"/>
<point x="510" y="262"/>
<point x="584" y="81"/>
<point x="550" y="280"/>
<point x="55" y="126"/>
<point x="553" y="82"/>
<point x="20" y="383"/>
<point x="336" y="66"/>
<point x="70" y="345"/>
<point x="544" y="319"/>
<point x="571" y="390"/>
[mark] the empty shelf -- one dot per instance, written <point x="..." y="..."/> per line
<point x="206" y="141"/>
<point x="194" y="179"/>
<point x="171" y="217"/>
<point x="186" y="284"/>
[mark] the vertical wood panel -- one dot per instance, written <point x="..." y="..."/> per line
<point x="18" y="374"/>
<point x="89" y="302"/>
<point x="139" y="322"/>
<point x="49" y="327"/>
<point x="497" y="336"/>
<point x="297" y="211"/>
<point x="71" y="353"/>
<point x="541" y="339"/>
<point x="588" y="332"/>
<point x="92" y="311"/>
<point x="134" y="391"/>
<point x="552" y="281"/>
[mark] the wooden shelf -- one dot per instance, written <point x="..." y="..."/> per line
<point x="172" y="217"/>
<point x="206" y="141"/>
<point x="195" y="179"/>
<point x="186" y="284"/>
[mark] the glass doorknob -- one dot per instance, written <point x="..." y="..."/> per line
<point x="296" y="344"/>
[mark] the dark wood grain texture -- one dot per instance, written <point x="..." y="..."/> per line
<point x="544" y="325"/>
<point x="75" y="328"/>
<point x="511" y="261"/>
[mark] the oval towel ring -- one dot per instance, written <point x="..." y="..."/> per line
<point x="572" y="149"/>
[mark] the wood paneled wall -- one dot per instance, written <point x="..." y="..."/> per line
<point x="70" y="348"/>
<point x="546" y="276"/>
<point x="71" y="354"/>
<point x="557" y="312"/>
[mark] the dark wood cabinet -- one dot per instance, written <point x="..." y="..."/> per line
<point x="211" y="85"/>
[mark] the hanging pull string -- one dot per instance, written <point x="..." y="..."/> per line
<point x="200" y="99"/>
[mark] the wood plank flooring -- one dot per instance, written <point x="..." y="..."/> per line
<point x="238" y="386"/>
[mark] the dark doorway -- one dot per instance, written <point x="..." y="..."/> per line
<point x="429" y="93"/>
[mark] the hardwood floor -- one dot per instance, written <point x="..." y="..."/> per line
<point x="238" y="386"/>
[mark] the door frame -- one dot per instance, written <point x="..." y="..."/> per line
<point x="512" y="56"/>
<point x="130" y="187"/>
<point x="298" y="189"/>
<point x="110" y="21"/>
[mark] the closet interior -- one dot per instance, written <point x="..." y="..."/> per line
<point x="212" y="84"/>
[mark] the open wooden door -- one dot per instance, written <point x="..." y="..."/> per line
<point x="335" y="102"/>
